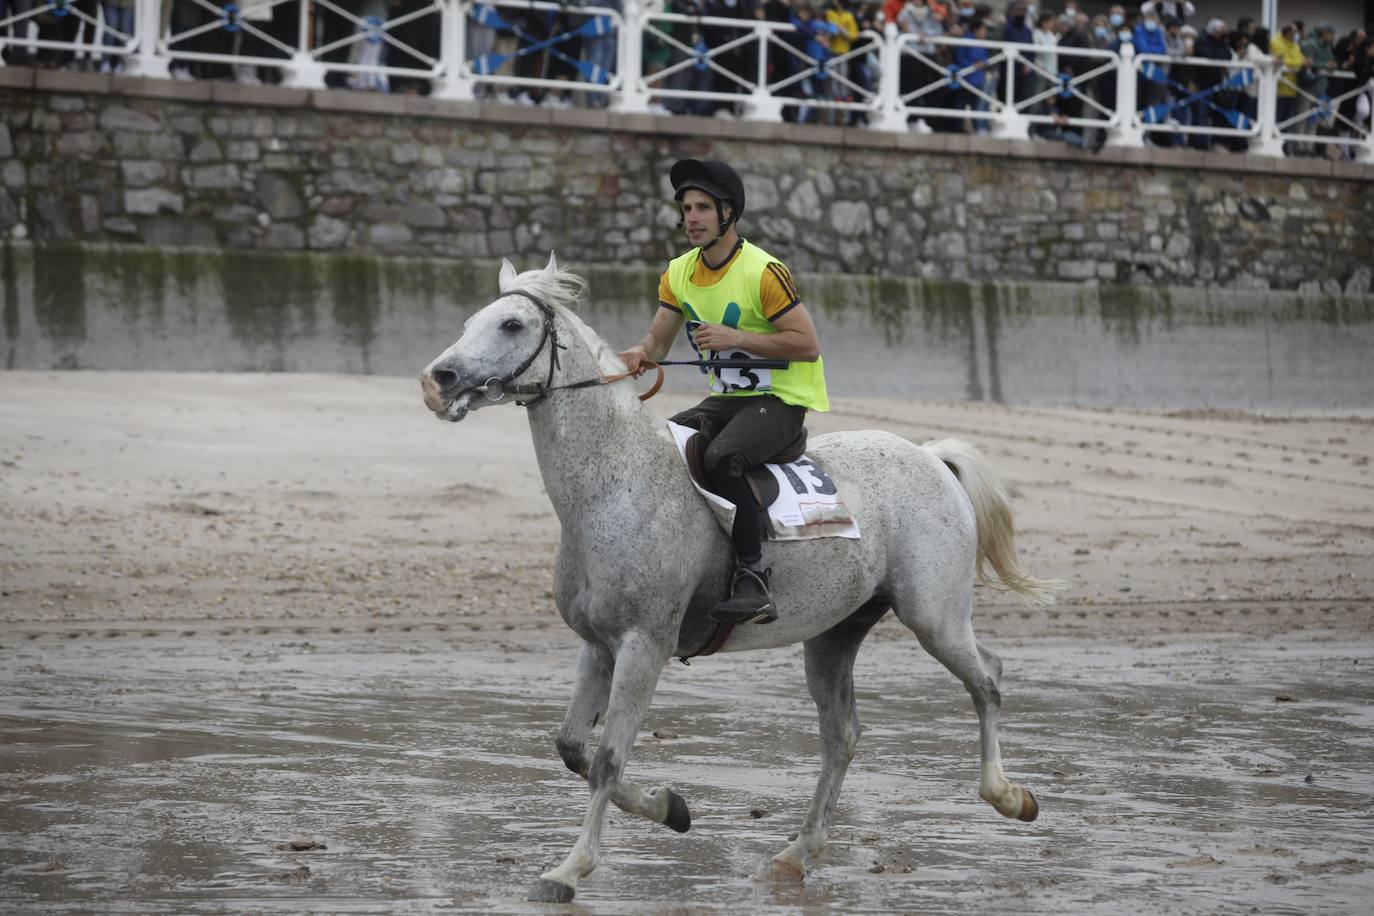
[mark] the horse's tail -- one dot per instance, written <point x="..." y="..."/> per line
<point x="992" y="511"/>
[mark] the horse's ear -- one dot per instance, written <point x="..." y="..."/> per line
<point x="507" y="276"/>
<point x="551" y="269"/>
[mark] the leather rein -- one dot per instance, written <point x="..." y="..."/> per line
<point x="496" y="389"/>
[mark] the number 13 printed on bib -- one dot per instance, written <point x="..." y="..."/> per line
<point x="725" y="381"/>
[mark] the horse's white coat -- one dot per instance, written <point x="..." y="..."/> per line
<point x="640" y="550"/>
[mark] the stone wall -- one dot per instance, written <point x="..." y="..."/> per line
<point x="85" y="305"/>
<point x="114" y="159"/>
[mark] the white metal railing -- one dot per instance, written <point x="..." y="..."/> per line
<point x="761" y="69"/>
<point x="1006" y="104"/>
<point x="1180" y="106"/>
<point x="483" y="59"/>
<point x="694" y="67"/>
<point x="1324" y="111"/>
<point x="33" y="30"/>
<point x="755" y="65"/>
<point x="225" y="22"/>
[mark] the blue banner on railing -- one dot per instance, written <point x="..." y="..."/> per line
<point x="1159" y="114"/>
<point x="488" y="64"/>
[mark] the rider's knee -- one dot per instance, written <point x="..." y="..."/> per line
<point x="722" y="464"/>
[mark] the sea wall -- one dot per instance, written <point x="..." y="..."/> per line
<point x="96" y="306"/>
<point x="92" y="158"/>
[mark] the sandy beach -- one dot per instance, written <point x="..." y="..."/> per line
<point x="236" y="607"/>
<point x="158" y="499"/>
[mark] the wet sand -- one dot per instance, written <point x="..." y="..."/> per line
<point x="238" y="608"/>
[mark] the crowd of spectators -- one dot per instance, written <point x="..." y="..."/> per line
<point x="842" y="35"/>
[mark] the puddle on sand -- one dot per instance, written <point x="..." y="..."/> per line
<point x="160" y="776"/>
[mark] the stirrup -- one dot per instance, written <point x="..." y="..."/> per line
<point x="749" y="601"/>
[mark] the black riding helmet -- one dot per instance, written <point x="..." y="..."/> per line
<point x="711" y="177"/>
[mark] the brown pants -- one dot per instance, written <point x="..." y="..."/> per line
<point x="744" y="432"/>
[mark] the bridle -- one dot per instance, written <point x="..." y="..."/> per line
<point x="496" y="389"/>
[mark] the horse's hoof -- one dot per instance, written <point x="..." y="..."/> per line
<point x="679" y="818"/>
<point x="785" y="871"/>
<point x="1029" y="809"/>
<point x="546" y="890"/>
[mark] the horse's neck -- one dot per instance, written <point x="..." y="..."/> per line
<point x="592" y="442"/>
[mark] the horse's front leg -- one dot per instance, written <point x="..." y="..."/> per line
<point x="639" y="660"/>
<point x="591" y="690"/>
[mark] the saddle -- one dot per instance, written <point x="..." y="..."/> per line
<point x="762" y="484"/>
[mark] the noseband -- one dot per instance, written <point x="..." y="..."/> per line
<point x="495" y="389"/>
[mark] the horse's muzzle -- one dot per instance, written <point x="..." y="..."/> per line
<point x="432" y="388"/>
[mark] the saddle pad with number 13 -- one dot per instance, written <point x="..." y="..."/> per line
<point x="808" y="505"/>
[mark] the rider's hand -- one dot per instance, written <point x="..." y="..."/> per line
<point x="716" y="337"/>
<point x="634" y="360"/>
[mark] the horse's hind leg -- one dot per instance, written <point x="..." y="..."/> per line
<point x="591" y="689"/>
<point x="945" y="629"/>
<point x="830" y="676"/>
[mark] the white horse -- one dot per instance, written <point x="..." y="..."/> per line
<point x="642" y="558"/>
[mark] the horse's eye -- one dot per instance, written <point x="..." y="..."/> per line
<point x="512" y="324"/>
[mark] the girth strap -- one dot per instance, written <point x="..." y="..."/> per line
<point x="713" y="643"/>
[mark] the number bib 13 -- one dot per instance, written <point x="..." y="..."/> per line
<point x="726" y="381"/>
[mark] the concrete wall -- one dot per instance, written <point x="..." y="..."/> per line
<point x="82" y="305"/>
<point x="85" y="157"/>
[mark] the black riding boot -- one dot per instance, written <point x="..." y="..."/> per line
<point x="749" y="601"/>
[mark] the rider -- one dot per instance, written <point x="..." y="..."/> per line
<point x="738" y="302"/>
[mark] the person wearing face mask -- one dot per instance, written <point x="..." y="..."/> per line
<point x="972" y="64"/>
<point x="1211" y="45"/>
<point x="916" y="19"/>
<point x="1321" y="60"/>
<point x="1180" y="84"/>
<point x="1018" y="30"/>
<point x="1116" y="17"/>
<point x="1152" y="84"/>
<point x="1046" y="35"/>
<point x="845" y="28"/>
<point x="1291" y="61"/>
<point x="1099" y="33"/>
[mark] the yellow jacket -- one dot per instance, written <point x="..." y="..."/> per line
<point x="848" y="27"/>
<point x="1290" y="57"/>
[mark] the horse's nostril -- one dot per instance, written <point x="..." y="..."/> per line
<point x="445" y="378"/>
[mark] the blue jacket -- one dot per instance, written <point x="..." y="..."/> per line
<point x="1017" y="30"/>
<point x="1147" y="42"/>
<point x="814" y="48"/>
<point x="965" y="56"/>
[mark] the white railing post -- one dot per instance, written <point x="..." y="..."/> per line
<point x="629" y="56"/>
<point x="762" y="105"/>
<point x="1010" y="123"/>
<point x="1127" y="132"/>
<point x="452" y="82"/>
<point x="1268" y="143"/>
<point x="304" y="72"/>
<point x="146" y="61"/>
<point x="1365" y="151"/>
<point x="891" y="117"/>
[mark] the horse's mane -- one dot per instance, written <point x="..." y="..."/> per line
<point x="565" y="291"/>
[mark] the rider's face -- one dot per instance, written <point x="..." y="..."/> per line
<point x="699" y="217"/>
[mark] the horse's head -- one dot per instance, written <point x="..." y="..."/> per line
<point x="507" y="349"/>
